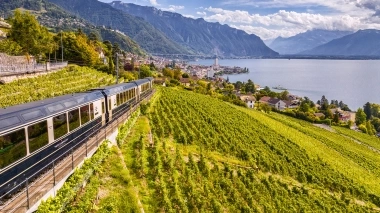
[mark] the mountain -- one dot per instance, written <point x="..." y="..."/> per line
<point x="98" y="13"/>
<point x="57" y="19"/>
<point x="305" y="41"/>
<point x="361" y="43"/>
<point x="197" y="34"/>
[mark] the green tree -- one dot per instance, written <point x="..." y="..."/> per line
<point x="29" y="34"/>
<point x="78" y="49"/>
<point x="10" y="47"/>
<point x="361" y="117"/>
<point x="145" y="71"/>
<point x="367" y="110"/>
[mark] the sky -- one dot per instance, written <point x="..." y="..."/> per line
<point x="272" y="18"/>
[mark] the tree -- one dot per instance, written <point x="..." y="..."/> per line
<point x="29" y="34"/>
<point x="168" y="72"/>
<point x="367" y="110"/>
<point x="361" y="117"/>
<point x="185" y="75"/>
<point x="10" y="47"/>
<point x="78" y="49"/>
<point x="324" y="103"/>
<point x="284" y="95"/>
<point x="336" y="117"/>
<point x="250" y="86"/>
<point x="177" y="73"/>
<point x="145" y="71"/>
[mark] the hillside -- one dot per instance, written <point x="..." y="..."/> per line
<point x="305" y="41"/>
<point x="361" y="43"/>
<point x="195" y="153"/>
<point x="69" y="80"/>
<point x="102" y="14"/>
<point x="201" y="36"/>
<point x="56" y="19"/>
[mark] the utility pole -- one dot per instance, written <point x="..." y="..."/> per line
<point x="117" y="68"/>
<point x="62" y="45"/>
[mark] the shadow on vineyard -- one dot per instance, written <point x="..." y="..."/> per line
<point x="193" y="153"/>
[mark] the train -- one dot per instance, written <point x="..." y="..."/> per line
<point x="36" y="134"/>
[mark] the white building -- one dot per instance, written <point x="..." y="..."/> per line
<point x="210" y="73"/>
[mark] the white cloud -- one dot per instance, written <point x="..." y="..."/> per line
<point x="201" y="13"/>
<point x="173" y="8"/>
<point x="154" y="2"/>
<point x="287" y="23"/>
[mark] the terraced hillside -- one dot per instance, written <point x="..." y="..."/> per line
<point x="193" y="153"/>
<point x="69" y="80"/>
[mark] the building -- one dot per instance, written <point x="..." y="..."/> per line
<point x="249" y="100"/>
<point x="274" y="102"/>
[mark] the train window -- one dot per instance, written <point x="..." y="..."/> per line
<point x="109" y="104"/>
<point x="84" y="115"/>
<point x="118" y="99"/>
<point x="124" y="97"/>
<point x="60" y="125"/>
<point x="91" y="111"/>
<point x="38" y="136"/>
<point x="9" y="122"/>
<point x="70" y="103"/>
<point x="103" y="107"/>
<point x="12" y="147"/>
<point x="55" y="108"/>
<point x="33" y="114"/>
<point x="73" y="119"/>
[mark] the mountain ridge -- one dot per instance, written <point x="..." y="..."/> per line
<point x="56" y="19"/>
<point x="305" y="41"/>
<point x="99" y="13"/>
<point x="361" y="43"/>
<point x="197" y="34"/>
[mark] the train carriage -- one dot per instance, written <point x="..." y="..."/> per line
<point x="35" y="134"/>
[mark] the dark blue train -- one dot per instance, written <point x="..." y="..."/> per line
<point x="33" y="135"/>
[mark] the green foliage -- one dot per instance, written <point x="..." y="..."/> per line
<point x="69" y="80"/>
<point x="145" y="71"/>
<point x="78" y="48"/>
<point x="68" y="191"/>
<point x="27" y="32"/>
<point x="361" y="117"/>
<point x="10" y="47"/>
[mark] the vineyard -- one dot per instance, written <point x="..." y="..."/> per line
<point x="69" y="80"/>
<point x="193" y="153"/>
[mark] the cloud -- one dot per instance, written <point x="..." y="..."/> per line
<point x="202" y="13"/>
<point x="173" y="8"/>
<point x="154" y="2"/>
<point x="287" y="23"/>
<point x="373" y="5"/>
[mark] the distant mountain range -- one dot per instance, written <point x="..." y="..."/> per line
<point x="361" y="43"/>
<point x="198" y="35"/>
<point x="56" y="19"/>
<point x="305" y="41"/>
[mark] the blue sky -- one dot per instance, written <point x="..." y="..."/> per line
<point x="272" y="18"/>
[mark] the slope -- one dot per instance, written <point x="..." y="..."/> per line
<point x="98" y="13"/>
<point x="199" y="35"/>
<point x="56" y="19"/>
<point x="305" y="41"/>
<point x="361" y="43"/>
<point x="69" y="80"/>
<point x="199" y="154"/>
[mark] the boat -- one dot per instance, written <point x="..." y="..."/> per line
<point x="279" y="88"/>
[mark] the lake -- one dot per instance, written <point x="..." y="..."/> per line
<point x="355" y="82"/>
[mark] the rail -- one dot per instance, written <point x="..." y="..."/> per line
<point x="55" y="172"/>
